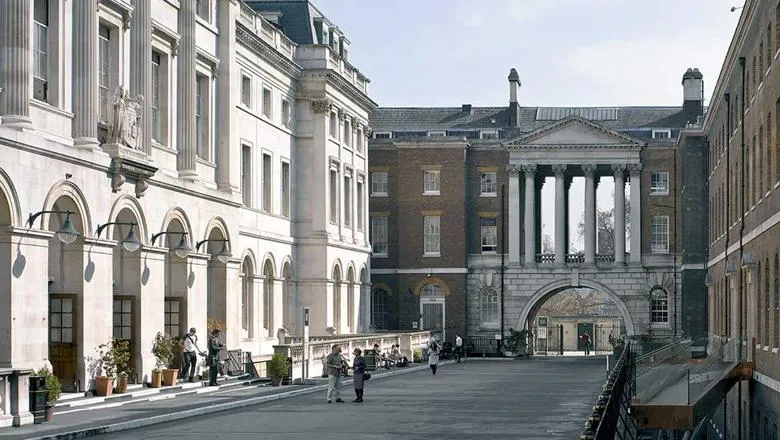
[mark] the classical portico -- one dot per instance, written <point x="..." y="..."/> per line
<point x="572" y="147"/>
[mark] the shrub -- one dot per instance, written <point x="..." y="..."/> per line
<point x="114" y="357"/>
<point x="53" y="386"/>
<point x="277" y="366"/>
<point x="164" y="350"/>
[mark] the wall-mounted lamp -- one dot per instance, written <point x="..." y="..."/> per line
<point x="224" y="255"/>
<point x="734" y="8"/>
<point x="731" y="268"/>
<point x="182" y="250"/>
<point x="67" y="233"/>
<point x="131" y="243"/>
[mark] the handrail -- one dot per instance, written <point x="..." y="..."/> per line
<point x="611" y="417"/>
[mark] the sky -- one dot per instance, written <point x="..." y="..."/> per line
<point x="428" y="53"/>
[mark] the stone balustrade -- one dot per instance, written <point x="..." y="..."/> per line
<point x="14" y="397"/>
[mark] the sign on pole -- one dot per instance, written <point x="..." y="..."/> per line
<point x="305" y="365"/>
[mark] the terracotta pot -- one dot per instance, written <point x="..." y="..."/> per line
<point x="169" y="376"/>
<point x="156" y="378"/>
<point x="104" y="385"/>
<point x="276" y="381"/>
<point x="121" y="384"/>
<point x="49" y="412"/>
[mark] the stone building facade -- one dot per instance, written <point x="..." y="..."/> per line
<point x="166" y="163"/>
<point x="742" y="129"/>
<point x="456" y="214"/>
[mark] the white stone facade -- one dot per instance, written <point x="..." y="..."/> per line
<point x="234" y="153"/>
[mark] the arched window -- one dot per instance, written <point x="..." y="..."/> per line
<point x="268" y="297"/>
<point x="379" y="313"/>
<point x="337" y="299"/>
<point x="659" y="306"/>
<point x="488" y="306"/>
<point x="247" y="279"/>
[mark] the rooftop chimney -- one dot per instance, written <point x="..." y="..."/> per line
<point x="693" y="95"/>
<point x="466" y="109"/>
<point x="514" y="106"/>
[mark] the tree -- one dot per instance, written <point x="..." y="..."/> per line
<point x="605" y="228"/>
<point x="574" y="302"/>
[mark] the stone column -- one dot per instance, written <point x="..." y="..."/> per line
<point x="560" y="214"/>
<point x="620" y="213"/>
<point x="186" y="91"/>
<point x="228" y="156"/>
<point x="513" y="225"/>
<point x="15" y="62"/>
<point x="141" y="65"/>
<point x="636" y="213"/>
<point x="590" y="214"/>
<point x="530" y="214"/>
<point x="86" y="105"/>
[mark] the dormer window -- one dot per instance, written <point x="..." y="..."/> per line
<point x="662" y="133"/>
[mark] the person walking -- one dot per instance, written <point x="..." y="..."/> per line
<point x="458" y="347"/>
<point x="358" y="370"/>
<point x="586" y="343"/>
<point x="334" y="363"/>
<point x="190" y="354"/>
<point x="433" y="356"/>
<point x="213" y="358"/>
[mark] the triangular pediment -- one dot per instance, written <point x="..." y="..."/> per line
<point x="574" y="130"/>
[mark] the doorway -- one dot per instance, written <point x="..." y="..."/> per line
<point x="582" y="328"/>
<point x="62" y="337"/>
<point x="124" y="318"/>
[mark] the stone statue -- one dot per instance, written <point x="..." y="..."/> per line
<point x="126" y="121"/>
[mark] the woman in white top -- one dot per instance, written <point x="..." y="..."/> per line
<point x="433" y="356"/>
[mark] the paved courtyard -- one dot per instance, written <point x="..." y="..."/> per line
<point x="524" y="399"/>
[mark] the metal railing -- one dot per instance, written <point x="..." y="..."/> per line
<point x="611" y="417"/>
<point x="483" y="346"/>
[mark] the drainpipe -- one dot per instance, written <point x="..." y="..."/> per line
<point x="741" y="244"/>
<point x="727" y="97"/>
<point x="677" y="300"/>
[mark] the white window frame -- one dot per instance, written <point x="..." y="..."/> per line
<point x="203" y="129"/>
<point x="379" y="236"/>
<point x="285" y="188"/>
<point x="431" y="182"/>
<point x="659" y="307"/>
<point x="333" y="189"/>
<point x="156" y="101"/>
<point x="268" y="179"/>
<point x="488" y="308"/>
<point x="347" y="190"/>
<point x="375" y="184"/>
<point x="488" y="242"/>
<point x="286" y="113"/>
<point x="268" y="103"/>
<point x="41" y="70"/>
<point x="246" y="90"/>
<point x="488" y="134"/>
<point x="359" y="140"/>
<point x="657" y="132"/>
<point x="437" y="133"/>
<point x="431" y="236"/>
<point x="484" y="190"/>
<point x="659" y="191"/>
<point x="246" y="175"/>
<point x="203" y="10"/>
<point x="347" y="128"/>
<point x="657" y="247"/>
<point x="333" y="123"/>
<point x="361" y="205"/>
<point x="383" y="135"/>
<point x="108" y="69"/>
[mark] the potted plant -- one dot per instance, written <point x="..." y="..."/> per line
<point x="120" y="351"/>
<point x="517" y="342"/>
<point x="104" y="383"/>
<point x="164" y="350"/>
<point x="53" y="390"/>
<point x="277" y="369"/>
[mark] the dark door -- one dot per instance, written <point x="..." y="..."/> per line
<point x="582" y="328"/>
<point x="123" y="324"/>
<point x="62" y="339"/>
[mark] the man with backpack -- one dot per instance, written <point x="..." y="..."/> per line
<point x="190" y="354"/>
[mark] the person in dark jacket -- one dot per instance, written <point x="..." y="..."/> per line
<point x="215" y="346"/>
<point x="358" y="370"/>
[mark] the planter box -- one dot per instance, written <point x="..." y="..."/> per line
<point x="104" y="385"/>
<point x="156" y="378"/>
<point x="169" y="377"/>
<point x="121" y="384"/>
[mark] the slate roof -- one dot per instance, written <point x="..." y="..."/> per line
<point x="296" y="19"/>
<point x="410" y="119"/>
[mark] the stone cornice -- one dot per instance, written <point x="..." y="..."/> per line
<point x="573" y="146"/>
<point x="266" y="51"/>
<point x="168" y="35"/>
<point x="344" y="86"/>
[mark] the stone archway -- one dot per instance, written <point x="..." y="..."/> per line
<point x="269" y="279"/>
<point x="6" y="273"/>
<point x="547" y="291"/>
<point x="247" y="275"/>
<point x="216" y="275"/>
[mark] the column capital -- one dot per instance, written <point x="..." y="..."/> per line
<point x="342" y="115"/>
<point x="321" y="106"/>
<point x="634" y="168"/>
<point x="589" y="169"/>
<point x="559" y="169"/>
<point x="513" y="170"/>
<point x="619" y="168"/>
<point x="528" y="168"/>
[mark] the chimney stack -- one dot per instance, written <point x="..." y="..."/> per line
<point x="693" y="95"/>
<point x="514" y="106"/>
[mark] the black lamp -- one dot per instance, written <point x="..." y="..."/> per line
<point x="130" y="243"/>
<point x="67" y="234"/>
<point x="224" y="255"/>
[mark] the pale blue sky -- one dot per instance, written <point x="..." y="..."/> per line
<point x="424" y="53"/>
<point x="567" y="52"/>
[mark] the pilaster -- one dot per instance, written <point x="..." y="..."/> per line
<point x="513" y="226"/>
<point x="530" y="214"/>
<point x="590" y="214"/>
<point x="186" y="93"/>
<point x="85" y="75"/>
<point x="15" y="62"/>
<point x="141" y="65"/>
<point x="227" y="154"/>
<point x="636" y="213"/>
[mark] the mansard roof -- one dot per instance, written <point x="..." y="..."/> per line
<point x="296" y="20"/>
<point x="411" y="119"/>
